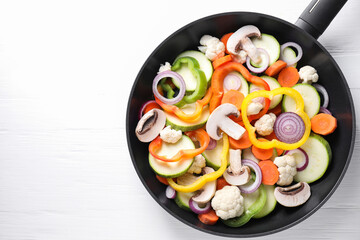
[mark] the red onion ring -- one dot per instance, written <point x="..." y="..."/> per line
<point x="256" y="184"/>
<point x="325" y="94"/>
<point x="194" y="206"/>
<point x="141" y="113"/>
<point x="325" y="110"/>
<point x="263" y="67"/>
<point x="212" y="144"/>
<point x="299" y="154"/>
<point x="170" y="193"/>
<point x="298" y="49"/>
<point x="232" y="82"/>
<point x="178" y="78"/>
<point x="289" y="127"/>
<point x="258" y="99"/>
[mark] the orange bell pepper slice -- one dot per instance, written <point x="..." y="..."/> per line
<point x="199" y="135"/>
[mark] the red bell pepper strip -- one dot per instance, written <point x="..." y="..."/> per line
<point x="217" y="81"/>
<point x="199" y="134"/>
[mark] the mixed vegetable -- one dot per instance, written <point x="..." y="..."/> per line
<point x="236" y="128"/>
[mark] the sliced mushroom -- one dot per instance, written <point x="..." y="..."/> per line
<point x="208" y="191"/>
<point x="294" y="195"/>
<point x="219" y="119"/>
<point x="150" y="125"/>
<point x="236" y="174"/>
<point x="240" y="40"/>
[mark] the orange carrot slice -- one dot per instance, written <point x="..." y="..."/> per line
<point x="288" y="77"/>
<point x="234" y="97"/>
<point x="275" y="68"/>
<point x="269" y="171"/>
<point x="323" y="124"/>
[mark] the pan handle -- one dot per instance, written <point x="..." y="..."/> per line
<point x="318" y="15"/>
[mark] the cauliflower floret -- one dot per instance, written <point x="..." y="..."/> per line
<point x="198" y="164"/>
<point x="165" y="67"/>
<point x="212" y="47"/>
<point x="170" y="135"/>
<point x="287" y="169"/>
<point x="264" y="126"/>
<point x="241" y="57"/>
<point x="254" y="108"/>
<point x="308" y="74"/>
<point x="228" y="202"/>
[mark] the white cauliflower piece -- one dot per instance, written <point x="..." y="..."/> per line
<point x="287" y="169"/>
<point x="308" y="74"/>
<point x="254" y="108"/>
<point x="212" y="47"/>
<point x="241" y="57"/>
<point x="228" y="202"/>
<point x="264" y="126"/>
<point x="165" y="67"/>
<point x="198" y="164"/>
<point x="170" y="135"/>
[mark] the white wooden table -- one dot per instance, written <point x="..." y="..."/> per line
<point x="66" y="69"/>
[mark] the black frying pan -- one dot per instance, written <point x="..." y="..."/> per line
<point x="311" y="24"/>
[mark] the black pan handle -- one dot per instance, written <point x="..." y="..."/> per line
<point x="318" y="15"/>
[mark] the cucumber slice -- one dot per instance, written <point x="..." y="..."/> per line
<point x="273" y="84"/>
<point x="289" y="55"/>
<point x="204" y="62"/>
<point x="249" y="199"/>
<point x="270" y="202"/>
<point x="172" y="169"/>
<point x="179" y="124"/>
<point x="270" y="44"/>
<point x="319" y="152"/>
<point x="182" y="199"/>
<point x="311" y="100"/>
<point x="244" y="88"/>
<point x="212" y="157"/>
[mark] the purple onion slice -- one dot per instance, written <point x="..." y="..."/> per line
<point x="289" y="127"/>
<point x="301" y="158"/>
<point x="194" y="206"/>
<point x="232" y="82"/>
<point x="264" y="65"/>
<point x="298" y="49"/>
<point x="325" y="94"/>
<point x="212" y="144"/>
<point x="256" y="184"/>
<point x="175" y="76"/>
<point x="170" y="192"/>
<point x="325" y="110"/>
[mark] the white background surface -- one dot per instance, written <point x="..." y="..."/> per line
<point x="66" y="69"/>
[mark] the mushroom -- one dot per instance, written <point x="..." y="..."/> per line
<point x="240" y="40"/>
<point x="150" y="125"/>
<point x="294" y="195"/>
<point x="206" y="193"/>
<point x="219" y="119"/>
<point x="236" y="174"/>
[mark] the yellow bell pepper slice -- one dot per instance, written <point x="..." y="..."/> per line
<point x="299" y="111"/>
<point x="200" y="182"/>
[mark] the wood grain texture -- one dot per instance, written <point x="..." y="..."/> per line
<point x="66" y="69"/>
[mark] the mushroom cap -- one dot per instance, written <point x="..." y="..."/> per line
<point x="219" y="119"/>
<point x="150" y="125"/>
<point x="208" y="191"/>
<point x="237" y="179"/>
<point x="294" y="195"/>
<point x="237" y="39"/>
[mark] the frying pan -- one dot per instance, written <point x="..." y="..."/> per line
<point x="311" y="24"/>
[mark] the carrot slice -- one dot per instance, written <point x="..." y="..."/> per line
<point x="234" y="97"/>
<point x="262" y="154"/>
<point x="220" y="183"/>
<point x="243" y="143"/>
<point x="151" y="106"/>
<point x="323" y="124"/>
<point x="162" y="180"/>
<point x="220" y="61"/>
<point x="224" y="40"/>
<point x="288" y="77"/>
<point x="269" y="171"/>
<point x="209" y="218"/>
<point x="275" y="68"/>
